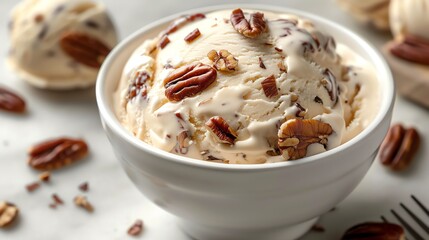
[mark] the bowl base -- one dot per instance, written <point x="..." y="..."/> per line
<point x="203" y="232"/>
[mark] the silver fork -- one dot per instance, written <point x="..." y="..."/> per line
<point x="412" y="231"/>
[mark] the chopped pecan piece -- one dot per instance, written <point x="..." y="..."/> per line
<point x="193" y="35"/>
<point x="261" y="63"/>
<point x="136" y="228"/>
<point x="57" y="199"/>
<point x="270" y="87"/>
<point x="176" y="25"/>
<point x="301" y="110"/>
<point x="8" y="213"/>
<point x="221" y="130"/>
<point x="84" y="48"/>
<point x="164" y="41"/>
<point x="84" y="187"/>
<point x="45" y="176"/>
<point x="296" y="135"/>
<point x="188" y="81"/>
<point x="32" y="186"/>
<point x="282" y="66"/>
<point x="251" y="29"/>
<point x="54" y="154"/>
<point x="11" y="102"/>
<point x="223" y="61"/>
<point x="183" y="142"/>
<point x="39" y="18"/>
<point x="370" y="230"/>
<point x="399" y="147"/>
<point x="82" y="202"/>
<point x="330" y="84"/>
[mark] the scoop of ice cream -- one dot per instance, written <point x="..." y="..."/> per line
<point x="410" y="17"/>
<point x="59" y="44"/>
<point x="250" y="87"/>
<point x="375" y="12"/>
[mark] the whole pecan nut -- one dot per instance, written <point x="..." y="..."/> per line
<point x="399" y="147"/>
<point x="188" y="81"/>
<point x="11" y="102"/>
<point x="54" y="154"/>
<point x="374" y="231"/>
<point x="412" y="48"/>
<point x="295" y="135"/>
<point x="8" y="214"/>
<point x="223" y="60"/>
<point x="84" y="48"/>
<point x="252" y="29"/>
<point x="221" y="130"/>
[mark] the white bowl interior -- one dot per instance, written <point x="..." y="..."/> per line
<point x="110" y="73"/>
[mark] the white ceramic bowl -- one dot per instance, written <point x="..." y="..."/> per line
<point x="269" y="201"/>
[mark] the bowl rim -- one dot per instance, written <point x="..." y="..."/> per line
<point x="109" y="117"/>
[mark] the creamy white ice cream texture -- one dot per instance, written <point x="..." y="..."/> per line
<point x="36" y="27"/>
<point x="320" y="80"/>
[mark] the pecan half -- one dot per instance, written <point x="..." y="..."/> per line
<point x="270" y="87"/>
<point x="136" y="228"/>
<point x="54" y="154"/>
<point x="84" y="48"/>
<point x="296" y="135"/>
<point x="11" y="102"/>
<point x="223" y="60"/>
<point x="8" y="214"/>
<point x="399" y="147"/>
<point x="370" y="230"/>
<point x="413" y="49"/>
<point x="251" y="29"/>
<point x="192" y="35"/>
<point x="188" y="81"/>
<point x="139" y="85"/>
<point x="221" y="130"/>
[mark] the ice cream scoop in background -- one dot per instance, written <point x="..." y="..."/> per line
<point x="375" y="12"/>
<point x="59" y="44"/>
<point x="214" y="87"/>
<point x="408" y="52"/>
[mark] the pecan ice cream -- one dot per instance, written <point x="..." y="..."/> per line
<point x="375" y="12"/>
<point x="408" y="52"/>
<point x="245" y="87"/>
<point x="59" y="44"/>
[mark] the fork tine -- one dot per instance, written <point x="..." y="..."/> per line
<point x="418" y="221"/>
<point x="420" y="204"/>
<point x="407" y="226"/>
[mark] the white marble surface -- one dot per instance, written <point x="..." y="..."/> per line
<point x="117" y="202"/>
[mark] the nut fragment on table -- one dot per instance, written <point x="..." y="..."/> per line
<point x="45" y="176"/>
<point x="82" y="202"/>
<point x="136" y="228"/>
<point x="10" y="101"/>
<point x="84" y="187"/>
<point x="32" y="186"/>
<point x="8" y="214"/>
<point x="399" y="147"/>
<point x="376" y="231"/>
<point x="57" y="153"/>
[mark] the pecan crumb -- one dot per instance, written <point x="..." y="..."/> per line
<point x="221" y="130"/>
<point x="278" y="49"/>
<point x="8" y="214"/>
<point x="45" y="176"/>
<point x="295" y="135"/>
<point x="270" y="87"/>
<point x="82" y="202"/>
<point x="57" y="199"/>
<point x="193" y="35"/>
<point x="223" y="60"/>
<point x="164" y="42"/>
<point x="84" y="187"/>
<point x="282" y="66"/>
<point x="136" y="228"/>
<point x="261" y="63"/>
<point x="39" y="18"/>
<point x="32" y="186"/>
